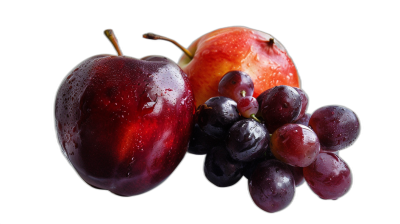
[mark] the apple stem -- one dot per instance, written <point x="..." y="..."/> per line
<point x="153" y="36"/>
<point x="111" y="36"/>
<point x="255" y="118"/>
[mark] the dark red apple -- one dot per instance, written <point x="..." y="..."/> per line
<point x="123" y="123"/>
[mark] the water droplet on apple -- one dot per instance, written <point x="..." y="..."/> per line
<point x="205" y="52"/>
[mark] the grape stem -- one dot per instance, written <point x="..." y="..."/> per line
<point x="243" y="93"/>
<point x="255" y="118"/>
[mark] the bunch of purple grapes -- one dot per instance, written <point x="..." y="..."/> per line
<point x="273" y="142"/>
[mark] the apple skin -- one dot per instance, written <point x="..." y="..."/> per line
<point x="123" y="123"/>
<point x="237" y="48"/>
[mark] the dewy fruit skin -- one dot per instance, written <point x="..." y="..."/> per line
<point x="237" y="48"/>
<point x="149" y="107"/>
<point x="124" y="123"/>
<point x="247" y="50"/>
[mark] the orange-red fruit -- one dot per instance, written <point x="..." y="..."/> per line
<point x="237" y="48"/>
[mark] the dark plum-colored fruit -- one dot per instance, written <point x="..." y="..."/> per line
<point x="337" y="127"/>
<point x="233" y="83"/>
<point x="272" y="186"/>
<point x="282" y="105"/>
<point x="328" y="176"/>
<point x="304" y="102"/>
<point x="217" y="115"/>
<point x="247" y="140"/>
<point x="297" y="175"/>
<point x="220" y="169"/>
<point x="295" y="144"/>
<point x="247" y="106"/>
<point x="124" y="124"/>
<point x="201" y="143"/>
<point x="304" y="119"/>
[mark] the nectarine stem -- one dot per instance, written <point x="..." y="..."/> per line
<point x="153" y="36"/>
<point x="111" y="36"/>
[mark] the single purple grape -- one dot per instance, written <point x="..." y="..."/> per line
<point x="247" y="140"/>
<point x="233" y="83"/>
<point x="328" y="176"/>
<point x="337" y="127"/>
<point x="282" y="105"/>
<point x="272" y="186"/>
<point x="217" y="115"/>
<point x="220" y="169"/>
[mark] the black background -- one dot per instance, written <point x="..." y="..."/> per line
<point x="329" y="45"/>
